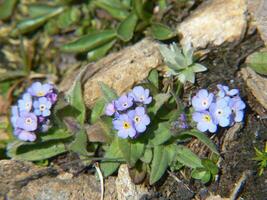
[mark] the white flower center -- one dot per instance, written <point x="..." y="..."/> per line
<point x="42" y="107"/>
<point x="125" y="104"/>
<point x="28" y="121"/>
<point x="205" y="102"/>
<point x="219" y="112"/>
<point x="142" y="98"/>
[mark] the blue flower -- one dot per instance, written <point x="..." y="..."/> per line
<point x="110" y="109"/>
<point x="141" y="95"/>
<point x="221" y="112"/>
<point x="25" y="104"/>
<point x="14" y="115"/>
<point x="123" y="103"/>
<point x="52" y="97"/>
<point x="27" y="121"/>
<point x="237" y="106"/>
<point x="125" y="126"/>
<point x="42" y="107"/>
<point x="225" y="91"/>
<point x="39" y="90"/>
<point x="204" y="121"/>
<point x="140" y="119"/>
<point x="202" y="100"/>
<point x="26" y="135"/>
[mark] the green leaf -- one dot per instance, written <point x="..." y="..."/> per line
<point x="38" y="9"/>
<point x="108" y="93"/>
<point x="210" y="166"/>
<point x="203" y="138"/>
<point x="98" y="110"/>
<point x="201" y="174"/>
<point x="55" y="134"/>
<point x="114" y="8"/>
<point x="161" y="134"/>
<point x="101" y="51"/>
<point x="31" y="24"/>
<point x="163" y="156"/>
<point x="113" y="152"/>
<point x="79" y="145"/>
<point x="89" y="42"/>
<point x="6" y="8"/>
<point x="198" y="68"/>
<point x="187" y="157"/>
<point x="258" y="62"/>
<point x="161" y="32"/>
<point x="153" y="78"/>
<point x="126" y="29"/>
<point x="131" y="150"/>
<point x="159" y="100"/>
<point x="35" y="151"/>
<point x="139" y="9"/>
<point x="147" y="157"/>
<point x="75" y="97"/>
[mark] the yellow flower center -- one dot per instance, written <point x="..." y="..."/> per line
<point x="206" y="118"/>
<point x="28" y="121"/>
<point x="126" y="125"/>
<point x="40" y="94"/>
<point x="42" y="107"/>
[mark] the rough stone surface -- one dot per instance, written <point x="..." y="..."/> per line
<point x="25" y="181"/>
<point x="258" y="10"/>
<point x="126" y="189"/>
<point x="215" y="22"/>
<point x="257" y="85"/>
<point x="123" y="69"/>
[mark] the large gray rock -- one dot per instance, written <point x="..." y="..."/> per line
<point x="215" y="22"/>
<point x="24" y="181"/>
<point x="258" y="11"/>
<point x="257" y="85"/>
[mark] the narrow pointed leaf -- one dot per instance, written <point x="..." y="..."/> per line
<point x="31" y="24"/>
<point x="35" y="151"/>
<point x="116" y="11"/>
<point x="113" y="152"/>
<point x="108" y="93"/>
<point x="187" y="157"/>
<point x="100" y="52"/>
<point x="153" y="78"/>
<point x="161" y="32"/>
<point x="98" y="110"/>
<point x="126" y="29"/>
<point x="162" y="157"/>
<point x="161" y="134"/>
<point x="131" y="150"/>
<point x="79" y="145"/>
<point x="6" y="8"/>
<point x="203" y="138"/>
<point x="89" y="42"/>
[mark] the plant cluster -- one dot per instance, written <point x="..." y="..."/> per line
<point x="223" y="109"/>
<point x="32" y="112"/>
<point x="149" y="127"/>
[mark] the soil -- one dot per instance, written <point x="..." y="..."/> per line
<point x="224" y="64"/>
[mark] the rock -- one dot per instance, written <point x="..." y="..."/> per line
<point x="126" y="189"/>
<point x="215" y="22"/>
<point x="257" y="85"/>
<point x="121" y="70"/>
<point x="217" y="197"/>
<point x="258" y="10"/>
<point x="25" y="181"/>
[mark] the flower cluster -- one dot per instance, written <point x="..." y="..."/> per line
<point x="32" y="111"/>
<point x="221" y="109"/>
<point x="129" y="111"/>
